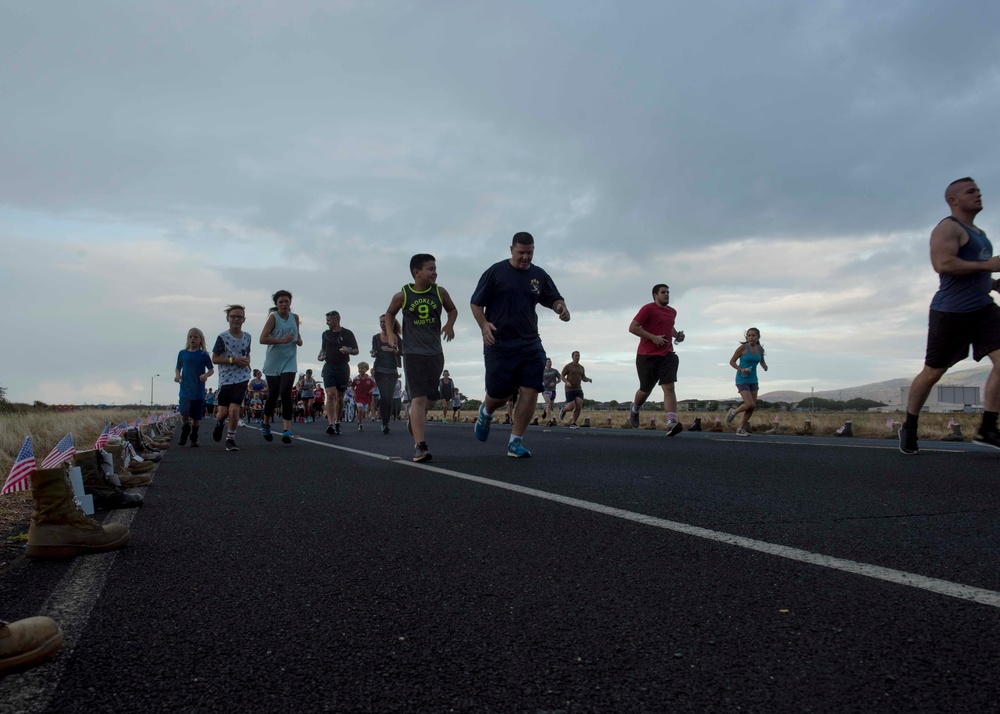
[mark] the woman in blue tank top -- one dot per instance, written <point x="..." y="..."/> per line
<point x="745" y="360"/>
<point x="281" y="335"/>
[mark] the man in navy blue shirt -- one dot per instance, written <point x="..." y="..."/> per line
<point x="504" y="307"/>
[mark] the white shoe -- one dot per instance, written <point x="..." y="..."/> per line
<point x="742" y="432"/>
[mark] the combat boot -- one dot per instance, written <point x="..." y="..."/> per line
<point x="59" y="529"/>
<point x="148" y="453"/>
<point x="27" y="642"/>
<point x="106" y="494"/>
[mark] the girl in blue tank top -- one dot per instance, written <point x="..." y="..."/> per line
<point x="745" y="360"/>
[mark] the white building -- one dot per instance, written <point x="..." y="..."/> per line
<point x="949" y="399"/>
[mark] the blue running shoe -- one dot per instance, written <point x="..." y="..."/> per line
<point x="516" y="450"/>
<point x="265" y="431"/>
<point x="483" y="424"/>
<point x="286" y="437"/>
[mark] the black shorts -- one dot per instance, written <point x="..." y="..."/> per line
<point x="949" y="335"/>
<point x="573" y="394"/>
<point x="656" y="369"/>
<point x="231" y="394"/>
<point x="336" y="376"/>
<point x="423" y="373"/>
<point x="507" y="371"/>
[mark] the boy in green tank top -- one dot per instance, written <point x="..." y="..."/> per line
<point x="422" y="303"/>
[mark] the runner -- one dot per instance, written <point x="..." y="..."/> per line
<point x="456" y="407"/>
<point x="232" y="353"/>
<point x="307" y="387"/>
<point x="962" y="312"/>
<point x="281" y="335"/>
<point x="550" y="378"/>
<point x="364" y="387"/>
<point x="504" y="306"/>
<point x="446" y="390"/>
<point x="338" y="344"/>
<point x="387" y="361"/>
<point x="745" y="360"/>
<point x="655" y="359"/>
<point x="194" y="367"/>
<point x="422" y="303"/>
<point x="573" y="375"/>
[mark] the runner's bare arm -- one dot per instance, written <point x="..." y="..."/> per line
<point x="448" y="331"/>
<point x="946" y="239"/>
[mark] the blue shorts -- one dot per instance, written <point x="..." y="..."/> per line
<point x="747" y="387"/>
<point x="192" y="408"/>
<point x="507" y="371"/>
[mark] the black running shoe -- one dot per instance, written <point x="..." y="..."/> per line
<point x="633" y="419"/>
<point x="265" y="431"/>
<point x="907" y="442"/>
<point x="217" y="431"/>
<point x="231" y="445"/>
<point x="336" y="429"/>
<point x="331" y="431"/>
<point x="990" y="439"/>
<point x="420" y="452"/>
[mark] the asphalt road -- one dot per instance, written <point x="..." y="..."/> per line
<point x="613" y="571"/>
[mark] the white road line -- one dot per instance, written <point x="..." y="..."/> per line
<point x="70" y="605"/>
<point x="898" y="577"/>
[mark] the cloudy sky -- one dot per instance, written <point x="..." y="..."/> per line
<point x="779" y="164"/>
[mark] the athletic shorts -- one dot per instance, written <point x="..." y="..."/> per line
<point x="748" y="387"/>
<point x="508" y="371"/>
<point x="231" y="394"/>
<point x="423" y="372"/>
<point x="949" y="335"/>
<point x="573" y="394"/>
<point x="336" y="376"/>
<point x="549" y="394"/>
<point x="192" y="408"/>
<point x="656" y="369"/>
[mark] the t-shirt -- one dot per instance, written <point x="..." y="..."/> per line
<point x="573" y="375"/>
<point x="446" y="389"/>
<point x="508" y="296"/>
<point x="192" y="365"/>
<point x="658" y="321"/>
<point x="228" y="345"/>
<point x="550" y="378"/>
<point x="364" y="387"/>
<point x="333" y="341"/>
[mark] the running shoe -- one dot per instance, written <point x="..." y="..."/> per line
<point x="730" y="415"/>
<point x="483" y="424"/>
<point x="989" y="438"/>
<point x="562" y="413"/>
<point x="220" y="426"/>
<point x="361" y="427"/>
<point x="194" y="442"/>
<point x="674" y="428"/>
<point x="231" y="445"/>
<point x="907" y="442"/>
<point x="516" y="450"/>
<point x="420" y="452"/>
<point x="742" y="432"/>
<point x="336" y="428"/>
<point x="385" y="428"/>
<point x="633" y="419"/>
<point x="331" y="431"/>
<point x="265" y="431"/>
<point x="286" y="437"/>
<point x="573" y="426"/>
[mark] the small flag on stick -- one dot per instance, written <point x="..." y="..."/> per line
<point x="103" y="438"/>
<point x="63" y="451"/>
<point x="19" y="478"/>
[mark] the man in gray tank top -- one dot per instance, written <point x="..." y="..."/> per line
<point x="962" y="312"/>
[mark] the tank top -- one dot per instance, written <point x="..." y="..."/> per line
<point x="421" y="321"/>
<point x="281" y="358"/>
<point x="750" y="361"/>
<point x="966" y="293"/>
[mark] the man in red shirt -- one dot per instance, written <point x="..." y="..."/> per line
<point x="655" y="360"/>
<point x="364" y="387"/>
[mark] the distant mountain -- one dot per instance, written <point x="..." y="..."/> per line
<point x="887" y="392"/>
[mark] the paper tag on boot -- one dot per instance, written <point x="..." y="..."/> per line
<point x="85" y="500"/>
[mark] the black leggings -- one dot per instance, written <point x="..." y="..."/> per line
<point x="280" y="386"/>
<point x="386" y="385"/>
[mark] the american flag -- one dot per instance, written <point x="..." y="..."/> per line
<point x="138" y="422"/>
<point x="103" y="438"/>
<point x="120" y="429"/>
<point x="152" y="419"/>
<point x="19" y="478"/>
<point x="63" y="451"/>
